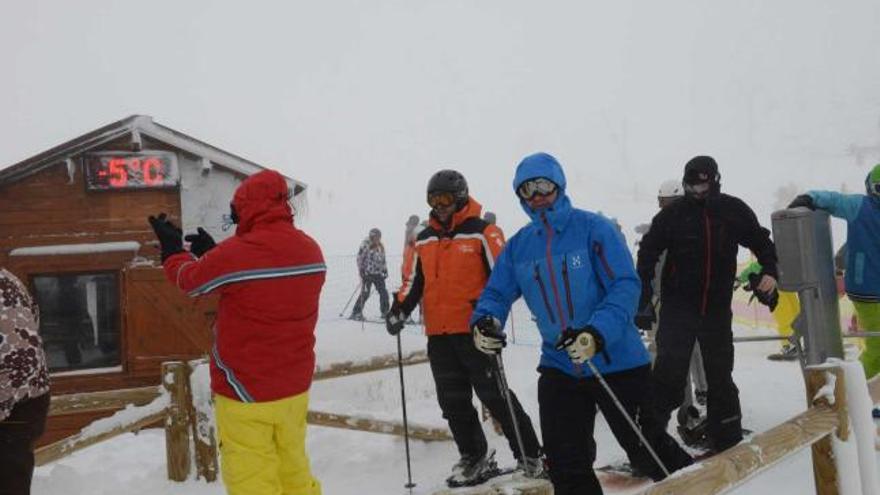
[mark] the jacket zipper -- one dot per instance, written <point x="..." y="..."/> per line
<point x="544" y="293"/>
<point x="597" y="247"/>
<point x="567" y="287"/>
<point x="550" y="272"/>
<point x="708" y="260"/>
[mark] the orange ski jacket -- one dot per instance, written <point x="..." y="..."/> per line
<point x="449" y="269"/>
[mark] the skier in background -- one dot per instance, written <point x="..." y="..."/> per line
<point x="409" y="251"/>
<point x="453" y="258"/>
<point x="576" y="275"/>
<point x="269" y="277"/>
<point x="700" y="235"/>
<point x="489" y="217"/>
<point x="784" y="311"/>
<point x="24" y="385"/>
<point x="862" y="276"/>
<point x="373" y="271"/>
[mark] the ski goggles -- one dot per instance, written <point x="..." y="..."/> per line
<point x="443" y="199"/>
<point x="874" y="188"/>
<point x="528" y="189"/>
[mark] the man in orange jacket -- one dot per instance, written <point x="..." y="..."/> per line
<point x="269" y="277"/>
<point x="453" y="257"/>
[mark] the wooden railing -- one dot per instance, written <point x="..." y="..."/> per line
<point x="150" y="412"/>
<point x="184" y="420"/>
<point x="812" y="428"/>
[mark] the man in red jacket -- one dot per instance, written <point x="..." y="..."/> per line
<point x="269" y="277"/>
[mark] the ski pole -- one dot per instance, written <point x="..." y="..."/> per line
<point x="356" y="290"/>
<point x="626" y="415"/>
<point x="505" y="391"/>
<point x="409" y="484"/>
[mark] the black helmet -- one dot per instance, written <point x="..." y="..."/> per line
<point x="698" y="171"/>
<point x="450" y="181"/>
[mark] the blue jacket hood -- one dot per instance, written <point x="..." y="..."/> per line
<point x="544" y="165"/>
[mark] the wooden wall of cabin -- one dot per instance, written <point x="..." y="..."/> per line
<point x="158" y="322"/>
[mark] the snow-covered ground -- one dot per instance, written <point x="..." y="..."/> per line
<point x="349" y="462"/>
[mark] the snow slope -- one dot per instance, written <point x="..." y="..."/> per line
<point x="349" y="463"/>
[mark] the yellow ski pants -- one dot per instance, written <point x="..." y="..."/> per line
<point x="262" y="446"/>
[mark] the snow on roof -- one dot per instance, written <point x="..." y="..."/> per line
<point x="136" y="126"/>
<point x="59" y="249"/>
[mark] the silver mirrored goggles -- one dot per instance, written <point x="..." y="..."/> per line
<point x="528" y="189"/>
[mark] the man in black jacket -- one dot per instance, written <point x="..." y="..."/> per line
<point x="701" y="233"/>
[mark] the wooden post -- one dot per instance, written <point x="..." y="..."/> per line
<point x="203" y="434"/>
<point x="175" y="378"/>
<point x="824" y="467"/>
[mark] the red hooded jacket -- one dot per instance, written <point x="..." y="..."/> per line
<point x="269" y="276"/>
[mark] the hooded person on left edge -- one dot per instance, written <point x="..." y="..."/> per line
<point x="269" y="277"/>
<point x="24" y="385"/>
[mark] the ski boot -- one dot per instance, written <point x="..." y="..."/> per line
<point x="788" y="353"/>
<point x="692" y="428"/>
<point x="532" y="467"/>
<point x="472" y="470"/>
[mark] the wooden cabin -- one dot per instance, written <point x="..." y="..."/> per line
<point x="73" y="227"/>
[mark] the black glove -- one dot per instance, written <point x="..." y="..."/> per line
<point x="769" y="299"/>
<point x="804" y="200"/>
<point x="200" y="243"/>
<point x="394" y="318"/>
<point x="645" y="317"/>
<point x="170" y="237"/>
<point x="488" y="336"/>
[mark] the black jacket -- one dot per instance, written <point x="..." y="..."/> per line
<point x="702" y="239"/>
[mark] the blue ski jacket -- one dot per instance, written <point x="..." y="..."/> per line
<point x="862" y="215"/>
<point x="573" y="269"/>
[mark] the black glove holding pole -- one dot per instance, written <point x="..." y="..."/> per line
<point x="394" y="318"/>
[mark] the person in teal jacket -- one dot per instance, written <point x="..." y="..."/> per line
<point x="577" y="277"/>
<point x="862" y="278"/>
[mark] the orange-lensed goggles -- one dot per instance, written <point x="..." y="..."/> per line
<point x="528" y="189"/>
<point x="441" y="199"/>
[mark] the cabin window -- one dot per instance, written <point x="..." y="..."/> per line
<point x="79" y="320"/>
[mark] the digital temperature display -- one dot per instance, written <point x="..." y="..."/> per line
<point x="130" y="170"/>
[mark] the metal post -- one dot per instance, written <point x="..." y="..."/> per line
<point x="803" y="245"/>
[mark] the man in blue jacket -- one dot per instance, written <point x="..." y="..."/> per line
<point x="577" y="276"/>
<point x="862" y="276"/>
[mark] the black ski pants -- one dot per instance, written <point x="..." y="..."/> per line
<point x="366" y="283"/>
<point x="459" y="369"/>
<point x="675" y="340"/>
<point x="568" y="416"/>
<point x="18" y="433"/>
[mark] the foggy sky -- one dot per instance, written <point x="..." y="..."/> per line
<point x="364" y="100"/>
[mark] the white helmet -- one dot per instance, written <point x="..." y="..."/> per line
<point x="670" y="189"/>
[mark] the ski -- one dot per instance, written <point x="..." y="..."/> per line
<point x="505" y="480"/>
<point x="620" y="476"/>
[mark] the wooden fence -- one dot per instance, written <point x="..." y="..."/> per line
<point x="812" y="428"/>
<point x="183" y="421"/>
